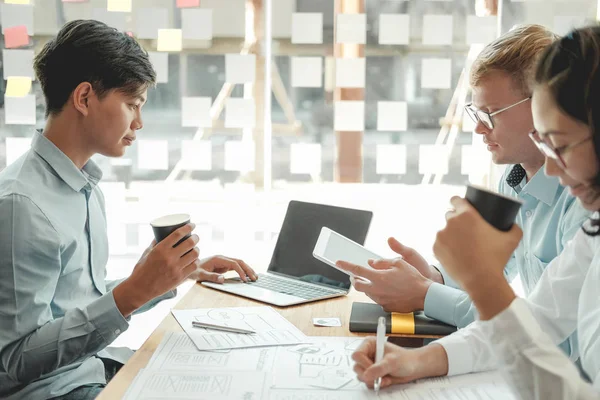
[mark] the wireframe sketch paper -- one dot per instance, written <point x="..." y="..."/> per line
<point x="197" y="385"/>
<point x="177" y="352"/>
<point x="270" y="327"/>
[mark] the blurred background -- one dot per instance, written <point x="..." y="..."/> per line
<point x="355" y="103"/>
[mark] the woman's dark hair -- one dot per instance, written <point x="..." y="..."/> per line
<point x="570" y="68"/>
<point x="91" y="51"/>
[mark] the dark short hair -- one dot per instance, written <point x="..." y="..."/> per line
<point x="570" y="68"/>
<point x="91" y="51"/>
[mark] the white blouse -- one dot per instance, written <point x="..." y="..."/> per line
<point x="523" y="339"/>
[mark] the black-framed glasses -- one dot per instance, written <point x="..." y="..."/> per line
<point x="485" y="117"/>
<point x="555" y="153"/>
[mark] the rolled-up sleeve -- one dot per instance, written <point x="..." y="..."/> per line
<point x="32" y="342"/>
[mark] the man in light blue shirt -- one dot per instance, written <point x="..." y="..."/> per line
<point x="58" y="314"/>
<point x="501" y="81"/>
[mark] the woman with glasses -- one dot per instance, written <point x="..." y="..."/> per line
<point x="520" y="335"/>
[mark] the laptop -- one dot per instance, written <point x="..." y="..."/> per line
<point x="294" y="275"/>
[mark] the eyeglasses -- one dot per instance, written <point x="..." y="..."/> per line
<point x="555" y="153"/>
<point x="484" y="117"/>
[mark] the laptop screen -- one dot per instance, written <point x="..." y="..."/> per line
<point x="299" y="233"/>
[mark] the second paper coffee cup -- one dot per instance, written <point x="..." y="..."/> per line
<point x="498" y="210"/>
<point x="164" y="226"/>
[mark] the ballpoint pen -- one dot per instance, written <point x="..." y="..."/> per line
<point x="197" y="324"/>
<point x="379" y="347"/>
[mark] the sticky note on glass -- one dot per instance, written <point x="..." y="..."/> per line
<point x="197" y="24"/>
<point x="188" y="3"/>
<point x="436" y="73"/>
<point x="564" y="24"/>
<point x="16" y="37"/>
<point x="239" y="156"/>
<point x="391" y="159"/>
<point x="475" y="160"/>
<point x="391" y="116"/>
<point x="196" y="155"/>
<point x="160" y="62"/>
<point x="240" y="68"/>
<point x="394" y="29"/>
<point x="433" y="159"/>
<point x="349" y="116"/>
<point x="240" y="113"/>
<point x="169" y="40"/>
<point x="351" y="28"/>
<point x="307" y="71"/>
<point x="18" y="86"/>
<point x="481" y="30"/>
<point x="20" y="110"/>
<point x="12" y="15"/>
<point x="350" y="72"/>
<point x="148" y="21"/>
<point x="305" y="158"/>
<point x="117" y="20"/>
<point x="16" y="147"/>
<point x="18" y="1"/>
<point x="153" y="154"/>
<point x="195" y="112"/>
<point x="437" y="29"/>
<point x="307" y="28"/>
<point x="119" y="5"/>
<point x="18" y="63"/>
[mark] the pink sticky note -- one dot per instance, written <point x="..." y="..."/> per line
<point x="16" y="37"/>
<point x="188" y="3"/>
<point x="129" y="33"/>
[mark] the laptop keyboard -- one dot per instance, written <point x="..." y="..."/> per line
<point x="288" y="286"/>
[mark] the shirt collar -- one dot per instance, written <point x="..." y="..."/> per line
<point x="64" y="167"/>
<point x="541" y="186"/>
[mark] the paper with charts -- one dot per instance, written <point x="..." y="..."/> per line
<point x="270" y="327"/>
<point x="198" y="385"/>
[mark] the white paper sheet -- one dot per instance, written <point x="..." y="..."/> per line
<point x="240" y="68"/>
<point x="349" y="116"/>
<point x="271" y="328"/>
<point x="437" y="29"/>
<point x="350" y="72"/>
<point x="436" y="73"/>
<point x="177" y="352"/>
<point x="394" y="29"/>
<point x="118" y="5"/>
<point x="305" y="158"/>
<point x="196" y="23"/>
<point x="149" y="20"/>
<point x="160" y="62"/>
<point x="392" y="116"/>
<point x="351" y="28"/>
<point x="239" y="155"/>
<point x="197" y="385"/>
<point x="307" y="71"/>
<point x="307" y="28"/>
<point x="20" y="110"/>
<point x="18" y="63"/>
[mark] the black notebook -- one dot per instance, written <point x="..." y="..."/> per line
<point x="364" y="318"/>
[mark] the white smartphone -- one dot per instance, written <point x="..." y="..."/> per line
<point x="332" y="247"/>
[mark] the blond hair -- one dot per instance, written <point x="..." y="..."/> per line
<point x="515" y="53"/>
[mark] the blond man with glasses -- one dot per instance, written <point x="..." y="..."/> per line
<point x="501" y="80"/>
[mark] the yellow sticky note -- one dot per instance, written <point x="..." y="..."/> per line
<point x="18" y="86"/>
<point x="17" y="1"/>
<point x="169" y="40"/>
<point x="119" y="5"/>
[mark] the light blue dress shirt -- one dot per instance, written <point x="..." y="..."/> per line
<point x="549" y="218"/>
<point x="57" y="312"/>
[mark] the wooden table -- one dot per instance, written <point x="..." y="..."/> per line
<point x="202" y="297"/>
